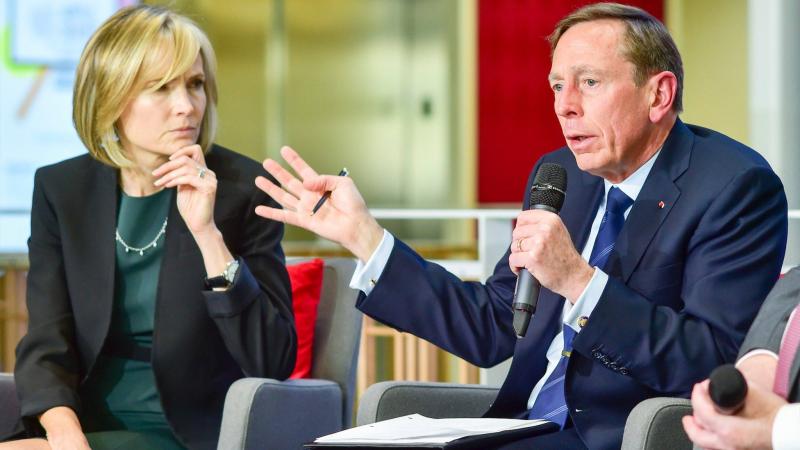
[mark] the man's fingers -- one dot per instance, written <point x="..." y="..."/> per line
<point x="322" y="183"/>
<point x="279" y="215"/>
<point x="705" y="413"/>
<point x="532" y="216"/>
<point x="283" y="198"/>
<point x="298" y="164"/>
<point x="701" y="437"/>
<point x="518" y="260"/>
<point x="287" y="180"/>
<point x="529" y="231"/>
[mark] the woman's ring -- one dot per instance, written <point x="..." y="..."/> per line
<point x="201" y="171"/>
<point x="519" y="244"/>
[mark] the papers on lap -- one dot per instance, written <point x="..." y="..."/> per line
<point x="419" y="430"/>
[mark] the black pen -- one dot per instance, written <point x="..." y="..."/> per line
<point x="342" y="173"/>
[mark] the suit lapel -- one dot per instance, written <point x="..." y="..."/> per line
<point x="657" y="197"/>
<point x="581" y="206"/>
<point x="175" y="265"/>
<point x="98" y="247"/>
<point x="180" y="278"/>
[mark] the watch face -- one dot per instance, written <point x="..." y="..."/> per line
<point x="230" y="271"/>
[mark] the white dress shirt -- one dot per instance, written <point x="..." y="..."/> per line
<point x="785" y="432"/>
<point x="367" y="274"/>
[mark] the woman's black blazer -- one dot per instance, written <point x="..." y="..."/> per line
<point x="202" y="341"/>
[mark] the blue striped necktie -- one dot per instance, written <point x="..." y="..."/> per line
<point x="550" y="404"/>
<point x="613" y="219"/>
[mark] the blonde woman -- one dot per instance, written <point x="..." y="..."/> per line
<point x="153" y="285"/>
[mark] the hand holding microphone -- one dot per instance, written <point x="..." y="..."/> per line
<point x="731" y="411"/>
<point x="547" y="193"/>
<point x="727" y="389"/>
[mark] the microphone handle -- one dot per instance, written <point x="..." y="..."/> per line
<point x="528" y="292"/>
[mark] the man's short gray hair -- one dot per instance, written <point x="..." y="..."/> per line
<point x="647" y="43"/>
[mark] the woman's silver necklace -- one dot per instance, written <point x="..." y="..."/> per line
<point x="141" y="250"/>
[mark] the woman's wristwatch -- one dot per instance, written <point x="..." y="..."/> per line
<point x="226" y="279"/>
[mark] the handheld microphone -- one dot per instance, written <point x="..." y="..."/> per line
<point x="728" y="389"/>
<point x="547" y="193"/>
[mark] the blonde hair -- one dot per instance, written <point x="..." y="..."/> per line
<point x="647" y="43"/>
<point x="111" y="67"/>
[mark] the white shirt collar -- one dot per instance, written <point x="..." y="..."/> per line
<point x="632" y="185"/>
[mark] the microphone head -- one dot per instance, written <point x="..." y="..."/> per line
<point x="727" y="388"/>
<point x="549" y="187"/>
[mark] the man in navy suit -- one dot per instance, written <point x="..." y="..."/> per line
<point x="669" y="239"/>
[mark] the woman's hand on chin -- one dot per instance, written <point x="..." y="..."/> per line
<point x="196" y="184"/>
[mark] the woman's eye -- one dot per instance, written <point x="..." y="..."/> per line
<point x="591" y="83"/>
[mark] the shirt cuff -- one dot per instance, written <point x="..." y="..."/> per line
<point x="785" y="432"/>
<point x="587" y="301"/>
<point x="366" y="275"/>
<point x="756" y="352"/>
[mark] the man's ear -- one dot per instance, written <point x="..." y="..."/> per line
<point x="662" y="88"/>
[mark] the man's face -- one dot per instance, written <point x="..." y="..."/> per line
<point x="603" y="114"/>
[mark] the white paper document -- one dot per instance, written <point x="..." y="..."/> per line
<point x="417" y="429"/>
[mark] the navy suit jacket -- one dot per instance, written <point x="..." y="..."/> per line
<point x="686" y="279"/>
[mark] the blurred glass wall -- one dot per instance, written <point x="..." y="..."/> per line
<point x="382" y="87"/>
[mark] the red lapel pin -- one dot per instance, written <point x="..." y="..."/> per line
<point x="661" y="205"/>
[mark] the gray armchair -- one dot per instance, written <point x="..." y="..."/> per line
<point x="391" y="399"/>
<point x="9" y="407"/>
<point x="654" y="424"/>
<point x="268" y="414"/>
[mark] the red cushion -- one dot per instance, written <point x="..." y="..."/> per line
<point x="306" y="280"/>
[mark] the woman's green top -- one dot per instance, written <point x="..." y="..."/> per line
<point x="121" y="393"/>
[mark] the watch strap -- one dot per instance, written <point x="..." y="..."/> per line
<point x="216" y="282"/>
<point x="226" y="279"/>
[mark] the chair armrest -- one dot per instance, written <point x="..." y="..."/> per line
<point x="391" y="399"/>
<point x="655" y="424"/>
<point x="262" y="413"/>
<point x="9" y="412"/>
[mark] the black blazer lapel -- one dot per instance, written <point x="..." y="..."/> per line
<point x="174" y="302"/>
<point x="98" y="249"/>
<point x="656" y="199"/>
<point x="179" y="301"/>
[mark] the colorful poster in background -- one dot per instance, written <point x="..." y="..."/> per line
<point x="40" y="44"/>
